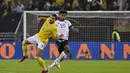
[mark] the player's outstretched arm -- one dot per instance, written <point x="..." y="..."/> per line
<point x="59" y="35"/>
<point x="41" y="18"/>
<point x="56" y="35"/>
<point x="74" y="29"/>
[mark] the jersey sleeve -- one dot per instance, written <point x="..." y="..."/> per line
<point x="69" y="23"/>
<point x="48" y="19"/>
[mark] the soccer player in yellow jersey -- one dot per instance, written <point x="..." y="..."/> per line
<point x="47" y="31"/>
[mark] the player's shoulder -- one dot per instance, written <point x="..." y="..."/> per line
<point x="48" y="18"/>
<point x="67" y="21"/>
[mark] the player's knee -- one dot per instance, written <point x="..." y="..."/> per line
<point x="39" y="53"/>
<point x="24" y="43"/>
<point x="67" y="50"/>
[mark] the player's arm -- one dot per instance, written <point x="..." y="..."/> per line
<point x="41" y="18"/>
<point x="56" y="35"/>
<point x="72" y="27"/>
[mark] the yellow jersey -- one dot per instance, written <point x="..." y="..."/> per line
<point x="47" y="30"/>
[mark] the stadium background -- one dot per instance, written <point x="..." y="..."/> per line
<point x="91" y="49"/>
<point x="93" y="31"/>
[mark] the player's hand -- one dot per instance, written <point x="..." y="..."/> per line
<point x="61" y="35"/>
<point x="38" y="20"/>
<point x="76" y="30"/>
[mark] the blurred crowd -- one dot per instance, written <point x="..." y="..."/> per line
<point x="71" y="5"/>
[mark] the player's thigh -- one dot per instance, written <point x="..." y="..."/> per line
<point x="26" y="42"/>
<point x="32" y="39"/>
<point x="65" y="45"/>
<point x="40" y="45"/>
<point x="59" y="44"/>
<point x="60" y="48"/>
<point x="39" y="52"/>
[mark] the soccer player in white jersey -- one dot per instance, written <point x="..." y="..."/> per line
<point x="64" y="27"/>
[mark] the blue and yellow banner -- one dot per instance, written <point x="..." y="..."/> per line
<point x="79" y="50"/>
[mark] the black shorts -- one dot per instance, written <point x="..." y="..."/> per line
<point x="61" y="44"/>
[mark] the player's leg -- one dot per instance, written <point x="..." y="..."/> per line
<point x="66" y="49"/>
<point x="39" y="59"/>
<point x="60" y="49"/>
<point x="40" y="49"/>
<point x="30" y="40"/>
<point x="59" y="44"/>
<point x="65" y="52"/>
<point x="24" y="48"/>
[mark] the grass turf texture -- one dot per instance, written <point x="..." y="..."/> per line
<point x="67" y="66"/>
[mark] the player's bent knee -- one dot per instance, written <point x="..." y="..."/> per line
<point x="23" y="43"/>
<point x="67" y="49"/>
<point x="26" y="42"/>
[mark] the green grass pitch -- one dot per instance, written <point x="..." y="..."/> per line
<point x="67" y="66"/>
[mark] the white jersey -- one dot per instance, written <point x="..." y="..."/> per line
<point x="63" y="28"/>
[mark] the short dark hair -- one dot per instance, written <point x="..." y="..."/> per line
<point x="54" y="15"/>
<point x="63" y="11"/>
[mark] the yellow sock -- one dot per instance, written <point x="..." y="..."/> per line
<point x="41" y="62"/>
<point x="24" y="47"/>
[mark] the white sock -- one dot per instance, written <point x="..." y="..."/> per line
<point x="58" y="59"/>
<point x="61" y="56"/>
<point x="45" y="68"/>
<point x="53" y="64"/>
